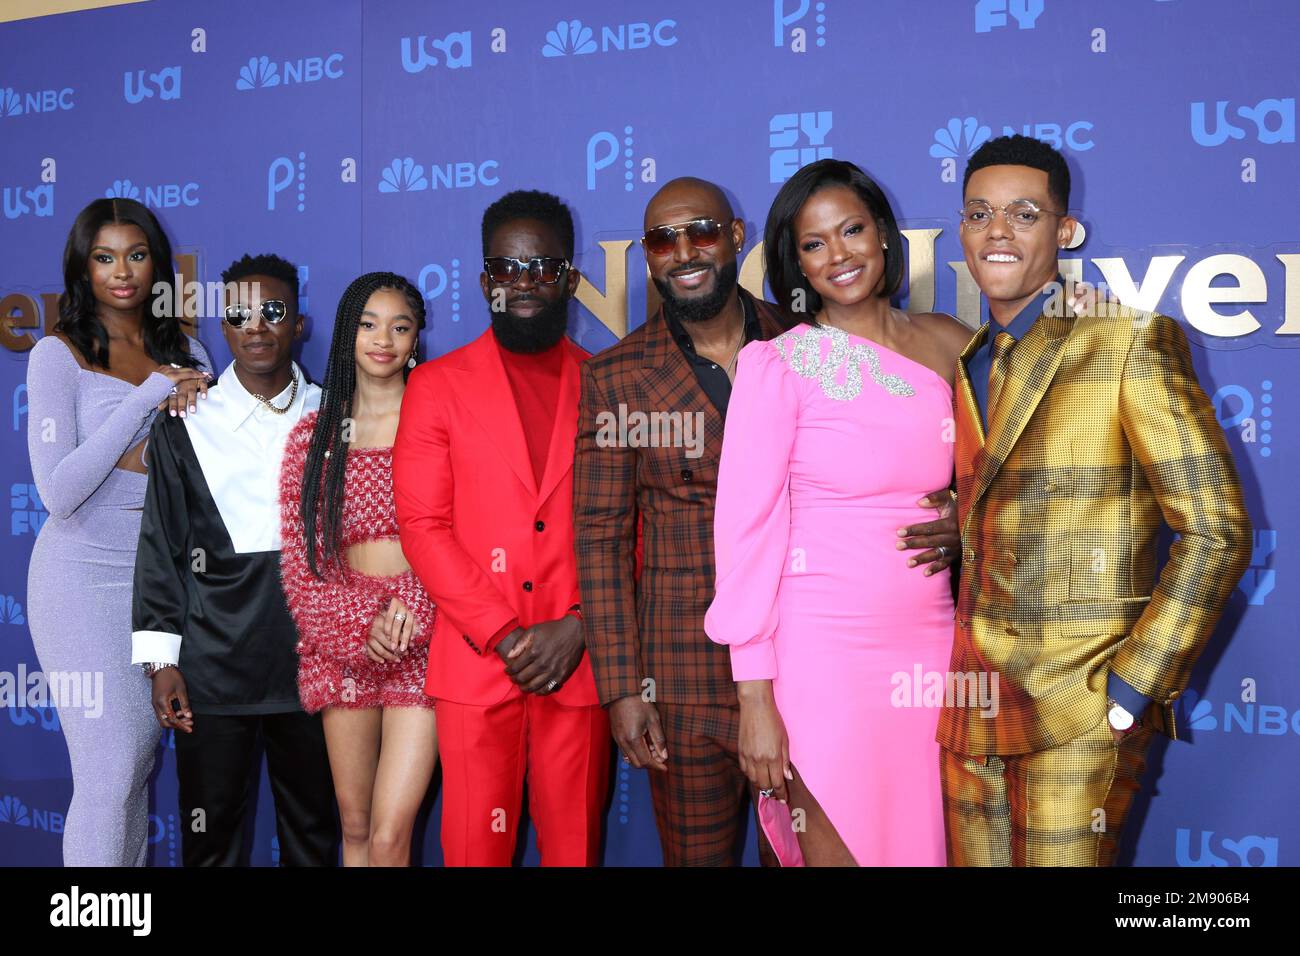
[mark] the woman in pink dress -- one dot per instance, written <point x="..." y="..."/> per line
<point x="836" y="432"/>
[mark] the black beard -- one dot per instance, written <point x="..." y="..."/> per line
<point x="534" y="334"/>
<point x="703" y="308"/>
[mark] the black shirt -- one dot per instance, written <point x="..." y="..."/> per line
<point x="713" y="377"/>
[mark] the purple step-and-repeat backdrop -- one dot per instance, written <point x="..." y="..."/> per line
<point x="351" y="135"/>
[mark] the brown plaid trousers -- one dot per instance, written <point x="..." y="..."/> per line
<point x="646" y="636"/>
<point x="1101" y="432"/>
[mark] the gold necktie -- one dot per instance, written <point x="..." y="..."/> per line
<point x="998" y="370"/>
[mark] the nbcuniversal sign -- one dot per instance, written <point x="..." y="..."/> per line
<point x="1215" y="309"/>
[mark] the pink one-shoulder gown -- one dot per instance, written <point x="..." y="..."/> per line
<point x="831" y="440"/>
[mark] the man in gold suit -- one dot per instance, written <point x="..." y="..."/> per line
<point x="1080" y="428"/>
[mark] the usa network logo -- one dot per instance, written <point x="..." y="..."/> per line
<point x="1273" y="119"/>
<point x="1244" y="717"/>
<point x="166" y="84"/>
<point x="14" y="103"/>
<point x="261" y="72"/>
<point x="574" y="38"/>
<point x="1250" y="850"/>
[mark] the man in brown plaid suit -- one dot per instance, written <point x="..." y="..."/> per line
<point x="668" y="688"/>
<point x="1079" y="428"/>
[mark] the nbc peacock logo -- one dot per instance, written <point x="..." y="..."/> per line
<point x="403" y="175"/>
<point x="11" y="103"/>
<point x="569" y="37"/>
<point x="258" y="72"/>
<point x="11" y="612"/>
<point x="122" y="189"/>
<point x="959" y="138"/>
<point x="14" y="812"/>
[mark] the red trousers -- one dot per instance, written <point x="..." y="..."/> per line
<point x="486" y="754"/>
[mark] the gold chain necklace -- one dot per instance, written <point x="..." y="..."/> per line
<point x="293" y="393"/>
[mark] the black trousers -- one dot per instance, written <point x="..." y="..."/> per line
<point x="217" y="768"/>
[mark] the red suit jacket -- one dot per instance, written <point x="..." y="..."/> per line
<point x="488" y="544"/>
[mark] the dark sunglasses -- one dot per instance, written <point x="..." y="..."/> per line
<point x="661" y="240"/>
<point x="505" y="270"/>
<point x="273" y="311"/>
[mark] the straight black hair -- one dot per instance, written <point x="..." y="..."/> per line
<point x="781" y="251"/>
<point x="78" y="318"/>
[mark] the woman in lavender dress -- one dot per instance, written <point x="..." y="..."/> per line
<point x="93" y="388"/>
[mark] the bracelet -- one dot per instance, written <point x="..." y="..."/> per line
<point x="153" y="668"/>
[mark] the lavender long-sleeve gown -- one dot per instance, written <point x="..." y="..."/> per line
<point x="79" y="424"/>
<point x="831" y="441"/>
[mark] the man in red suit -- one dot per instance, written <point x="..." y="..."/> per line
<point x="483" y="482"/>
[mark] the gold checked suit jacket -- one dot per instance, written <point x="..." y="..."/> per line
<point x="1101" y="432"/>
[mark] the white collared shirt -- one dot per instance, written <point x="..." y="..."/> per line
<point x="239" y="443"/>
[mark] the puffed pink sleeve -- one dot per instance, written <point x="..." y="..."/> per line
<point x="751" y="524"/>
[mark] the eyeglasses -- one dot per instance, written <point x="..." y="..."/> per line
<point x="273" y="311"/>
<point x="543" y="270"/>
<point x="661" y="240"/>
<point x="1021" y="214"/>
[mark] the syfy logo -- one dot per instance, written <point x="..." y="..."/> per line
<point x="798" y="35"/>
<point x="282" y="174"/>
<point x="1248" y="851"/>
<point x="603" y="151"/>
<point x="26" y="512"/>
<point x="16" y="813"/>
<point x="407" y="176"/>
<point x="1234" y="406"/>
<point x="1282" y="129"/>
<point x="796" y="139"/>
<point x="164" y="196"/>
<point x="573" y="38"/>
<point x="13" y="103"/>
<point x="137" y="88"/>
<point x="20" y="201"/>
<point x="994" y="13"/>
<point x="260" y="72"/>
<point x="434" y="281"/>
<point x="421" y="52"/>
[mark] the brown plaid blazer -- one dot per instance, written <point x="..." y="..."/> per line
<point x="651" y="629"/>
<point x="1101" y="431"/>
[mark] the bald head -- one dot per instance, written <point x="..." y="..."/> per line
<point x="686" y="198"/>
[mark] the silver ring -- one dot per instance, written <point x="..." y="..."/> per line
<point x="943" y="551"/>
<point x="173" y="365"/>
<point x="765" y="793"/>
<point x="552" y="684"/>
<point x="399" y="617"/>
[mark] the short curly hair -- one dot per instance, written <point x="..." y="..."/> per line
<point x="266" y="264"/>
<point x="1018" y="150"/>
<point x="530" y="204"/>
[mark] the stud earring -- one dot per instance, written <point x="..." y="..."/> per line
<point x="885" y="246"/>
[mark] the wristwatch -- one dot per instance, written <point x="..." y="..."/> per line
<point x="154" y="668"/>
<point x="1119" y="718"/>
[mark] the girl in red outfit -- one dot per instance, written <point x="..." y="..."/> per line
<point x="363" y="619"/>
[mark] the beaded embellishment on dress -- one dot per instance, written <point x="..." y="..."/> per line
<point x="805" y="359"/>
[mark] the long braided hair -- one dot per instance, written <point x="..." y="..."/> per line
<point x="326" y="466"/>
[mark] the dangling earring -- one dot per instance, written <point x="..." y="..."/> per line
<point x="410" y="363"/>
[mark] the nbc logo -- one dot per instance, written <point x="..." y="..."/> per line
<point x="11" y="103"/>
<point x="14" y="812"/>
<point x="11" y="612"/>
<point x="569" y="37"/>
<point x="261" y="72"/>
<point x="258" y="71"/>
<point x="403" y="176"/>
<point x="957" y="140"/>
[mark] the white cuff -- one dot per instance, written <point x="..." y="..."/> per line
<point x="155" y="647"/>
